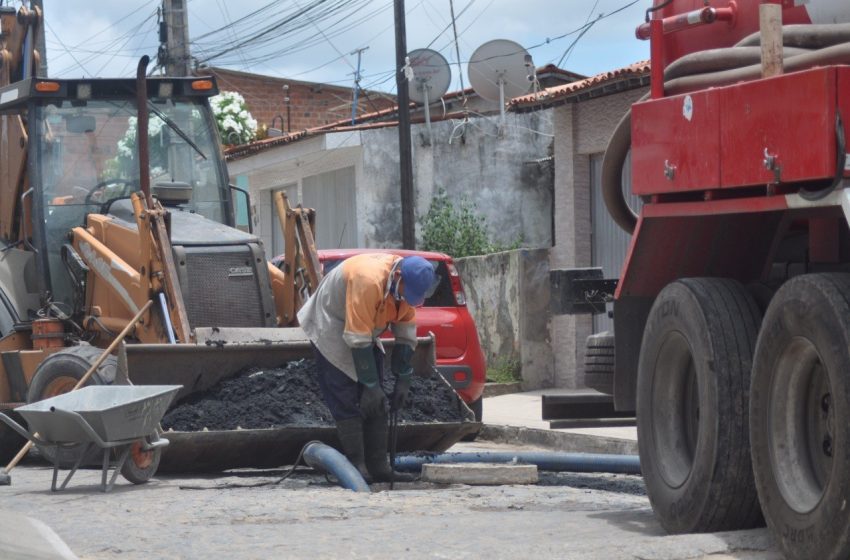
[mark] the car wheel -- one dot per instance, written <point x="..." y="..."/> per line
<point x="693" y="380"/>
<point x="799" y="407"/>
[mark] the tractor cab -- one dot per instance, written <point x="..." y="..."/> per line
<point x="82" y="140"/>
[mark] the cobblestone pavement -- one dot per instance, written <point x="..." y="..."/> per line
<point x="566" y="516"/>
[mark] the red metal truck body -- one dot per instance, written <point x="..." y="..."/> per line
<point x="732" y="311"/>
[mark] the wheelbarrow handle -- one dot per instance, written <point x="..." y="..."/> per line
<point x="21" y="431"/>
<point x="77" y="419"/>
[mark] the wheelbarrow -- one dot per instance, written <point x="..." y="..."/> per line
<point x="117" y="420"/>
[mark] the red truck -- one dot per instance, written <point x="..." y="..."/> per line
<point x="732" y="310"/>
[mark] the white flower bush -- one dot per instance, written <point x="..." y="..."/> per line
<point x="235" y="123"/>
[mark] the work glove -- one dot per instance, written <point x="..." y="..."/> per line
<point x="403" y="370"/>
<point x="372" y="398"/>
<point x="399" y="397"/>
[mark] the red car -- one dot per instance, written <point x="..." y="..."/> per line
<point x="459" y="355"/>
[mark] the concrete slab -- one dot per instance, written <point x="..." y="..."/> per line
<point x="25" y="538"/>
<point x="480" y="474"/>
<point x="516" y="418"/>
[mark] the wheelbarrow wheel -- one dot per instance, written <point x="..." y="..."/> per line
<point x="141" y="465"/>
<point x="58" y="374"/>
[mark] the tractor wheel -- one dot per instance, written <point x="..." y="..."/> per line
<point x="693" y="379"/>
<point x="141" y="465"/>
<point x="799" y="412"/>
<point x="58" y="374"/>
<point x="10" y="441"/>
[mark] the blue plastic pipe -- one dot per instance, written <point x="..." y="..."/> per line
<point x="325" y="458"/>
<point x="545" y="461"/>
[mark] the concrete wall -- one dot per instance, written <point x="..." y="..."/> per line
<point x="502" y="175"/>
<point x="508" y="295"/>
<point x="581" y="130"/>
<point x="509" y="177"/>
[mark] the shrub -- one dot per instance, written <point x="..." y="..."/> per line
<point x="459" y="230"/>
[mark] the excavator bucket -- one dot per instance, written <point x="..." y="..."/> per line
<point x="222" y="353"/>
<point x="217" y="354"/>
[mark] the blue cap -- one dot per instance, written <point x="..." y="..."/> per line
<point x="419" y="279"/>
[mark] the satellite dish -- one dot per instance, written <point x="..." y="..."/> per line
<point x="499" y="69"/>
<point x="431" y="78"/>
<point x="431" y="75"/>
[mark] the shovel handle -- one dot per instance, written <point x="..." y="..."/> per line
<point x="17" y="458"/>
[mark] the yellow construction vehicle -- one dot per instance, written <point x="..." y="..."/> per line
<point x="98" y="218"/>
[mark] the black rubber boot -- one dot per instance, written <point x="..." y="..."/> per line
<point x="375" y="432"/>
<point x="350" y="434"/>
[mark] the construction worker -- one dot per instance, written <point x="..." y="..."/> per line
<point x="356" y="302"/>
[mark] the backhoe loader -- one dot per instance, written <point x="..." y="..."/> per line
<point x="113" y="193"/>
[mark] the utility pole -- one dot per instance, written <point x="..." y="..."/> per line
<point x="408" y="230"/>
<point x="39" y="39"/>
<point x="176" y="60"/>
<point x="358" y="52"/>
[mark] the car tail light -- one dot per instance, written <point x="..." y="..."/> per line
<point x="460" y="376"/>
<point x="457" y="287"/>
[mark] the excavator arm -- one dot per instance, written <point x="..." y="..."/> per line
<point x="301" y="269"/>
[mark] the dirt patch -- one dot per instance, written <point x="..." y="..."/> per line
<point x="290" y="396"/>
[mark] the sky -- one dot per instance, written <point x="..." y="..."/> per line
<point x="312" y="40"/>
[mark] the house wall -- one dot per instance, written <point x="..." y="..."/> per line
<point x="289" y="165"/>
<point x="581" y="130"/>
<point x="502" y="175"/>
<point x="310" y="104"/>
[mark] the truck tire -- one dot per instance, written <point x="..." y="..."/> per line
<point x="599" y="362"/>
<point x="693" y="380"/>
<point x="799" y="412"/>
<point x="58" y="374"/>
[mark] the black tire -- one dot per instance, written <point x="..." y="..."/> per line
<point x="10" y="441"/>
<point x="141" y="465"/>
<point x="599" y="362"/>
<point x="477" y="407"/>
<point x="799" y="412"/>
<point x="692" y="399"/>
<point x="58" y="374"/>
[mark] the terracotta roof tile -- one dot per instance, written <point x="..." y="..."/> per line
<point x="549" y="95"/>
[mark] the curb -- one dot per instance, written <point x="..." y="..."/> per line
<point x="498" y="389"/>
<point x="558" y="441"/>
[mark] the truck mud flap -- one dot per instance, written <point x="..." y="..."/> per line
<point x="215" y="451"/>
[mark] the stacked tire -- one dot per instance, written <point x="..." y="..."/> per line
<point x="599" y="362"/>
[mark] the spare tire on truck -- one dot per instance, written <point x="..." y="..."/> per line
<point x="693" y="379"/>
<point x="599" y="362"/>
<point x="799" y="411"/>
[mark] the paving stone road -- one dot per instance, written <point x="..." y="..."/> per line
<point x="566" y="516"/>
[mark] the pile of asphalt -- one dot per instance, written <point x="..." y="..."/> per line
<point x="290" y="396"/>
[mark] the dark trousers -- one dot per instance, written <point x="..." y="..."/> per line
<point x="341" y="393"/>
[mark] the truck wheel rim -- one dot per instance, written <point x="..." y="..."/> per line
<point x="58" y="386"/>
<point x="675" y="418"/>
<point x="800" y="424"/>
